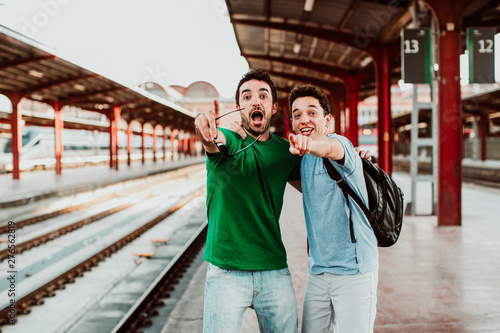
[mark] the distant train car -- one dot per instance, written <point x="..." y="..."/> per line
<point x="79" y="147"/>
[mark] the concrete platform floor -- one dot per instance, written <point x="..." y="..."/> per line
<point x="435" y="279"/>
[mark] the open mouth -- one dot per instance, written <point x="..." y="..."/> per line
<point x="306" y="131"/>
<point x="257" y="117"/>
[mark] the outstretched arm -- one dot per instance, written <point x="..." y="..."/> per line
<point x="317" y="145"/>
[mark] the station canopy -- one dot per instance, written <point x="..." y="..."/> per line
<point x="318" y="42"/>
<point x="323" y="42"/>
<point x="34" y="71"/>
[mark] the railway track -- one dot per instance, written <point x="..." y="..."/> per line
<point x="146" y="306"/>
<point x="111" y="231"/>
<point x="479" y="175"/>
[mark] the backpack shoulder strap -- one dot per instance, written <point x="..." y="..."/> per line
<point x="335" y="175"/>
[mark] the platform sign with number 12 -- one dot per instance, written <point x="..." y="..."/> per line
<point x="481" y="47"/>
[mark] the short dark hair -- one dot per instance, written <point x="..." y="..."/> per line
<point x="256" y="74"/>
<point x="309" y="91"/>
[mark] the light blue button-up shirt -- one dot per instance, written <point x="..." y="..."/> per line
<point x="327" y="216"/>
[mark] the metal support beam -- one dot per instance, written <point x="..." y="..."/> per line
<point x="450" y="131"/>
<point x="483" y="134"/>
<point x="143" y="144"/>
<point x="185" y="144"/>
<point x="338" y="105"/>
<point x="173" y="132"/>
<point x="164" y="148"/>
<point x="16" y="142"/>
<point x="114" y="119"/>
<point x="286" y="118"/>
<point x="154" y="144"/>
<point x="384" y="112"/>
<point x="58" y="126"/>
<point x="129" y="143"/>
<point x="352" y="131"/>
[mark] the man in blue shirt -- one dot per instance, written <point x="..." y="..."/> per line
<point x="343" y="264"/>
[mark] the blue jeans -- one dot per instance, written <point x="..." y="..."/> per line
<point x="228" y="293"/>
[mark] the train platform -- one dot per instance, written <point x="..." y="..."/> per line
<point x="36" y="185"/>
<point x="435" y="279"/>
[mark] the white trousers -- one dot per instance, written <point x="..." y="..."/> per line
<point x="349" y="302"/>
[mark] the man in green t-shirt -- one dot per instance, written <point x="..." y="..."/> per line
<point x="246" y="179"/>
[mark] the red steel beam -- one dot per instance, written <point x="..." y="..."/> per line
<point x="450" y="131"/>
<point x="449" y="174"/>
<point x="384" y="113"/>
<point x="58" y="126"/>
<point x="129" y="146"/>
<point x="16" y="141"/>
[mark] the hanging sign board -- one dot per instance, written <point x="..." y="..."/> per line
<point x="415" y="56"/>
<point x="481" y="46"/>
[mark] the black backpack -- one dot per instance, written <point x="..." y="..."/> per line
<point x="385" y="200"/>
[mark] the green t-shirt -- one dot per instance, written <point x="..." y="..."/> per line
<point x="244" y="200"/>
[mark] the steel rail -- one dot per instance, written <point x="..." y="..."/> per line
<point x="145" y="307"/>
<point x="51" y="235"/>
<point x="35" y="297"/>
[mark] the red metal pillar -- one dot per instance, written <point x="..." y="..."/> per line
<point x="449" y="176"/>
<point x="185" y="145"/>
<point x="16" y="141"/>
<point x="111" y="143"/>
<point x="384" y="112"/>
<point x="337" y="105"/>
<point x="164" y="144"/>
<point x="172" y="142"/>
<point x="179" y="145"/>
<point x="117" y="111"/>
<point x="114" y="119"/>
<point x="129" y="143"/>
<point x="143" y="145"/>
<point x="190" y="145"/>
<point x="352" y="131"/>
<point x="286" y="118"/>
<point x="154" y="144"/>
<point x="406" y="142"/>
<point x="195" y="139"/>
<point x="334" y="105"/>
<point x="483" y="134"/>
<point x="58" y="126"/>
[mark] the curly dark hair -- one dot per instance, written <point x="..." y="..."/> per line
<point x="309" y="91"/>
<point x="256" y="74"/>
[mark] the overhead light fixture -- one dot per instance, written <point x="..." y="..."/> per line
<point x="101" y="106"/>
<point x="35" y="73"/>
<point x="365" y="61"/>
<point x="296" y="48"/>
<point x="37" y="97"/>
<point x="308" y="6"/>
<point x="78" y="86"/>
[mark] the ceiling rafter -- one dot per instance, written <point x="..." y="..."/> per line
<point x="52" y="84"/>
<point x="332" y="70"/>
<point x="25" y="61"/>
